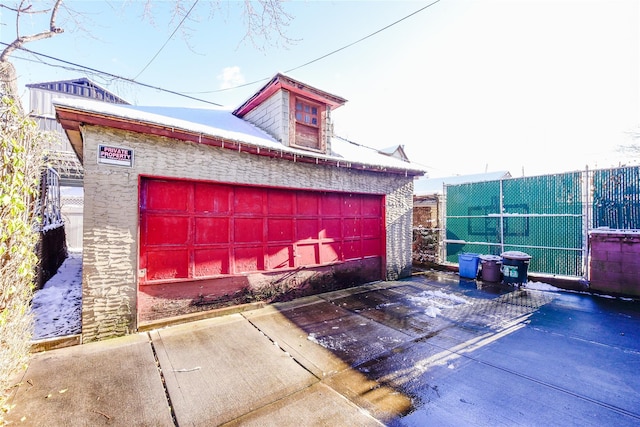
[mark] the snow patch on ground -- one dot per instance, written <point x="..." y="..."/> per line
<point x="436" y="301"/>
<point x="540" y="286"/>
<point x="432" y="311"/>
<point x="57" y="306"/>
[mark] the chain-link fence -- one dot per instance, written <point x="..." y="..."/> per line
<point x="548" y="216"/>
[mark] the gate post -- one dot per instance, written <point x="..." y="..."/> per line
<point x="501" y="217"/>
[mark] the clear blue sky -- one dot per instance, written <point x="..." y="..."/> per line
<point x="539" y="86"/>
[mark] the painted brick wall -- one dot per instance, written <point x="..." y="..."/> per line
<point x="615" y="262"/>
<point x="111" y="211"/>
<point x="271" y="116"/>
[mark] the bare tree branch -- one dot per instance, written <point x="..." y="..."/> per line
<point x="21" y="40"/>
<point x="24" y="10"/>
<point x="8" y="77"/>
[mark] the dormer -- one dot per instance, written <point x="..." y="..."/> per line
<point x="294" y="113"/>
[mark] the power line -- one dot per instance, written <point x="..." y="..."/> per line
<point x="330" y="53"/>
<point x="165" y="43"/>
<point x="185" y="95"/>
<point x="114" y="76"/>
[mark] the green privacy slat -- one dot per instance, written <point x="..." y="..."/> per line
<point x="616" y="198"/>
<point x="541" y="216"/>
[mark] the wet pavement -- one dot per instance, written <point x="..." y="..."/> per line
<point x="429" y="350"/>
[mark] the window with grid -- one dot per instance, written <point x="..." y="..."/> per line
<point x="308" y="118"/>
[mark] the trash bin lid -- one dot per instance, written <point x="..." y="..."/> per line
<point x="490" y="258"/>
<point x="467" y="255"/>
<point x="515" y="255"/>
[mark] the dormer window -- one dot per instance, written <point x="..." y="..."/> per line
<point x="292" y="112"/>
<point x="306" y="113"/>
<point x="307" y="120"/>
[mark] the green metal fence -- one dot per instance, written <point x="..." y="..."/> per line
<point x="541" y="216"/>
<point x="547" y="217"/>
<point x="616" y="198"/>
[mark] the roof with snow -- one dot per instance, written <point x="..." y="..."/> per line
<point x="428" y="186"/>
<point x="396" y="151"/>
<point x="217" y="127"/>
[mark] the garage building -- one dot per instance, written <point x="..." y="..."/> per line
<point x="190" y="210"/>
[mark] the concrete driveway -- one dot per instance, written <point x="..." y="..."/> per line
<point x="430" y="350"/>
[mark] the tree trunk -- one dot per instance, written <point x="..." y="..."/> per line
<point x="9" y="82"/>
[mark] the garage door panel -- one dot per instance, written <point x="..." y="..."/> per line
<point x="246" y="230"/>
<point x="371" y="227"/>
<point x="352" y="249"/>
<point x="331" y="229"/>
<point x="351" y="205"/>
<point x="280" y="230"/>
<point x="167" y="195"/>
<point x="212" y="198"/>
<point x="307" y="229"/>
<point x="330" y="252"/>
<point x="166" y="230"/>
<point x="352" y="227"/>
<point x="281" y="202"/>
<point x="279" y="257"/>
<point x="211" y="230"/>
<point x="307" y="204"/>
<point x="168" y="264"/>
<point x="211" y="262"/>
<point x="248" y="200"/>
<point x="371" y="206"/>
<point x="307" y="254"/>
<point x="248" y="259"/>
<point x="331" y="204"/>
<point x="371" y="247"/>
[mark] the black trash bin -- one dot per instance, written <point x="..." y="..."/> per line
<point x="515" y="265"/>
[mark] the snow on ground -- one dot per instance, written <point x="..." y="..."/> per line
<point x="436" y="301"/>
<point x="57" y="306"/>
<point x="540" y="286"/>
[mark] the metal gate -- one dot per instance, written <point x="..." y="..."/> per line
<point x="543" y="216"/>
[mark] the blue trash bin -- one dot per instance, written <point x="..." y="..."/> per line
<point x="468" y="265"/>
<point x="515" y="265"/>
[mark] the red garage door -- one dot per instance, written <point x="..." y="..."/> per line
<point x="196" y="230"/>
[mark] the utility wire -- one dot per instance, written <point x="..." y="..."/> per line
<point x="330" y="53"/>
<point x="165" y="43"/>
<point x="185" y="95"/>
<point x="84" y="67"/>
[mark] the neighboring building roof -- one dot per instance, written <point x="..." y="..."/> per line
<point x="428" y="186"/>
<point x="82" y="87"/>
<point x="217" y="127"/>
<point x="396" y="151"/>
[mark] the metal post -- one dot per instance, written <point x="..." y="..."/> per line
<point x="442" y="206"/>
<point x="586" y="210"/>
<point x="501" y="207"/>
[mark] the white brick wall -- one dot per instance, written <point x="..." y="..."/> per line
<point x="272" y="116"/>
<point x="110" y="261"/>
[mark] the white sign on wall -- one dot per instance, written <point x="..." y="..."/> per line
<point x="118" y="156"/>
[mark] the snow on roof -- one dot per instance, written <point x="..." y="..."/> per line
<point x="221" y="123"/>
<point x="354" y="152"/>
<point x="428" y="186"/>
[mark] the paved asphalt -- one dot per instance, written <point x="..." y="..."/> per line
<point x="432" y="350"/>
